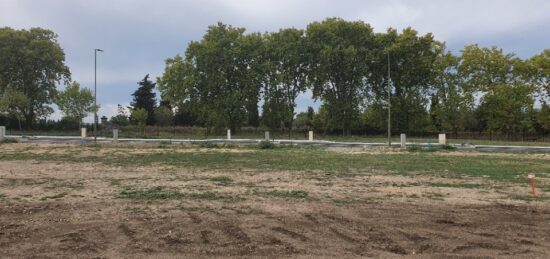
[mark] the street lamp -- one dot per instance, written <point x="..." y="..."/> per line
<point x="389" y="102"/>
<point x="95" y="93"/>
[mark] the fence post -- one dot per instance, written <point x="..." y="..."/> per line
<point x="403" y="140"/>
<point x="83" y="132"/>
<point x="115" y="135"/>
<point x="228" y="134"/>
<point x="310" y="135"/>
<point x="2" y="133"/>
<point x="442" y="139"/>
<point x="266" y="136"/>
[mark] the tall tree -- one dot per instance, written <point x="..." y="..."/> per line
<point x="75" y="102"/>
<point x="249" y="61"/>
<point x="508" y="108"/>
<point x="451" y="103"/>
<point x="145" y="98"/>
<point x="506" y="103"/>
<point x="411" y="59"/>
<point x="32" y="63"/>
<point x="289" y="58"/>
<point x="339" y="63"/>
<point x="215" y="77"/>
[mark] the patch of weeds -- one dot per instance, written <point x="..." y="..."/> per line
<point x="526" y="198"/>
<point x="163" y="144"/>
<point x="458" y="185"/>
<point x="8" y="141"/>
<point x="161" y="193"/>
<point x="54" y="197"/>
<point x="221" y="180"/>
<point x="137" y="210"/>
<point x="116" y="182"/>
<point x="434" y="196"/>
<point x="62" y="184"/>
<point x="266" y="145"/>
<point x="422" y="149"/>
<point x="154" y="193"/>
<point x="192" y="208"/>
<point x="296" y="194"/>
<point x="2" y="196"/>
<point x="447" y="147"/>
<point x="208" y="145"/>
<point x="211" y="196"/>
<point x="434" y="148"/>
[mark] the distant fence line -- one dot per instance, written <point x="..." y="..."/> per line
<point x="252" y="132"/>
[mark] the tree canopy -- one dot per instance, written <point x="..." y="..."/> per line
<point x="31" y="64"/>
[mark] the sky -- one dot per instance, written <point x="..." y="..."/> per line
<point x="138" y="35"/>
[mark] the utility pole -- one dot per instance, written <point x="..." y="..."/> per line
<point x="95" y="93"/>
<point x="389" y="102"/>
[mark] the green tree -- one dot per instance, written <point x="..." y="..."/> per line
<point x="340" y="52"/>
<point x="451" y="103"/>
<point x="483" y="68"/>
<point x="75" y="103"/>
<point x="289" y="59"/>
<point x="31" y="63"/>
<point x="145" y="98"/>
<point x="140" y="116"/>
<point x="213" y="78"/>
<point x="121" y="119"/>
<point x="506" y="103"/>
<point x="508" y="108"/>
<point x="164" y="116"/>
<point x="178" y="86"/>
<point x="14" y="104"/>
<point x="540" y="73"/>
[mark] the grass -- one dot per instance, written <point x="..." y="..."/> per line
<point x="295" y="194"/>
<point x="431" y="148"/>
<point x="511" y="168"/>
<point x="221" y="180"/>
<point x="8" y="141"/>
<point x="434" y="196"/>
<point x="459" y="185"/>
<point x="266" y="145"/>
<point x="154" y="193"/>
<point x="162" y="193"/>
<point x="54" y="197"/>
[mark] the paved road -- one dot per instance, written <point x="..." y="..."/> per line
<point x="319" y="143"/>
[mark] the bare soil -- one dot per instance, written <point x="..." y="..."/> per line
<point x="50" y="209"/>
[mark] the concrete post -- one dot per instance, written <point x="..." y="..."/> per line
<point x="83" y="132"/>
<point x="115" y="135"/>
<point x="442" y="139"/>
<point x="310" y="135"/>
<point x="228" y="134"/>
<point x="266" y="136"/>
<point x="2" y="133"/>
<point x="403" y="140"/>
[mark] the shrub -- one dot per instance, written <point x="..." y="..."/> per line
<point x="266" y="145"/>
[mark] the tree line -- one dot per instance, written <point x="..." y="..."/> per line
<point x="231" y="78"/>
<point x="225" y="78"/>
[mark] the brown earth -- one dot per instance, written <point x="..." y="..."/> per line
<point x="50" y="209"/>
<point x="104" y="229"/>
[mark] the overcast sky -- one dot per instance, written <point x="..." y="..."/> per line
<point x="138" y="35"/>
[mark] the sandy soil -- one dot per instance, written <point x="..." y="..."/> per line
<point x="67" y="210"/>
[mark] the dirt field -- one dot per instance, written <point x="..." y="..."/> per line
<point x="68" y="201"/>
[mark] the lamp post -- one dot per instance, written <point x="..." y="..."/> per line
<point x="95" y="93"/>
<point x="389" y="102"/>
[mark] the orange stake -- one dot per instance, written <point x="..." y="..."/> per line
<point x="531" y="176"/>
